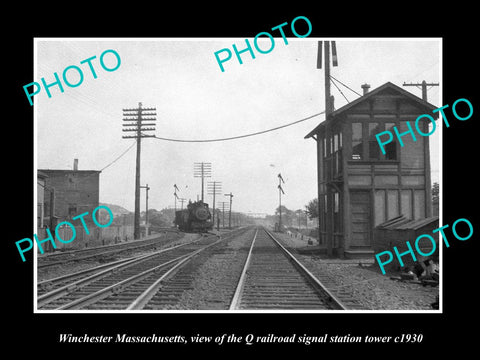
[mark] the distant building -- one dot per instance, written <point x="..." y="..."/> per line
<point x="358" y="186"/>
<point x="76" y="192"/>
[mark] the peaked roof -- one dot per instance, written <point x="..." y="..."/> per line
<point x="387" y="85"/>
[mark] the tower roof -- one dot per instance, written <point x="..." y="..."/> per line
<point x="389" y="88"/>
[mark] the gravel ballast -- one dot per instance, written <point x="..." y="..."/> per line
<point x="363" y="279"/>
<point x="216" y="275"/>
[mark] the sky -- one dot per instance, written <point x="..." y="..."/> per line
<point x="194" y="99"/>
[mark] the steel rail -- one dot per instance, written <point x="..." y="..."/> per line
<point x="142" y="300"/>
<point x="64" y="290"/>
<point x="119" y="286"/>
<point x="48" y="283"/>
<point x="241" y="282"/>
<point x="76" y="251"/>
<point x="117" y="248"/>
<point x="333" y="300"/>
<point x="115" y="288"/>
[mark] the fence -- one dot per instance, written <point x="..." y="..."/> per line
<point x="97" y="237"/>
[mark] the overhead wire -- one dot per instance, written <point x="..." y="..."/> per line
<point x="349" y="88"/>
<point x="341" y="92"/>
<point x="119" y="156"/>
<point x="92" y="102"/>
<point x="239" y="136"/>
<point x="212" y="140"/>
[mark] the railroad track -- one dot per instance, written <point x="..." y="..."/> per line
<point x="119" y="286"/>
<point x="59" y="258"/>
<point x="257" y="273"/>
<point x="273" y="278"/>
<point x="212" y="283"/>
<point x="49" y="285"/>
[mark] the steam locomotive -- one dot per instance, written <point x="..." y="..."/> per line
<point x="195" y="218"/>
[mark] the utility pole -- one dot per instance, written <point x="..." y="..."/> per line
<point x="134" y="119"/>
<point x="202" y="170"/>
<point x="280" y="192"/>
<point x="146" y="208"/>
<point x="214" y="188"/>
<point x="230" y="211"/>
<point x="328" y="110"/>
<point x="423" y="85"/>
<point x="428" y="177"/>
<point x="222" y="205"/>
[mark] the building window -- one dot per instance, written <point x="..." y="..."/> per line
<point x="369" y="142"/>
<point x="323" y="213"/>
<point x="357" y="141"/>
<point x="72" y="182"/>
<point x="337" y="153"/>
<point x="336" y="212"/>
<point x="391" y="147"/>
<point x="373" y="148"/>
<point x="72" y="210"/>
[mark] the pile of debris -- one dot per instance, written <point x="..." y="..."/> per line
<point x="422" y="272"/>
<point x="425" y="273"/>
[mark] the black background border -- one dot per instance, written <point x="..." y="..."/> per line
<point x="440" y="331"/>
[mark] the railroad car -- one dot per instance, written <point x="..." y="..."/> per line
<point x="195" y="218"/>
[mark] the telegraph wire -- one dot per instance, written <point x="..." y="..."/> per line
<point x="349" y="88"/>
<point x="341" y="92"/>
<point x="133" y="143"/>
<point x="212" y="140"/>
<point x="111" y="163"/>
<point x="239" y="136"/>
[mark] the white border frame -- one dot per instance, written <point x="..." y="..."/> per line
<point x="35" y="144"/>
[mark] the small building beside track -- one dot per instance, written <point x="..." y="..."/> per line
<point x="397" y="231"/>
<point x="67" y="194"/>
<point x="75" y="192"/>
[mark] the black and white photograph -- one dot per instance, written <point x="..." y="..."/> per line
<point x="212" y="182"/>
<point x="284" y="185"/>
